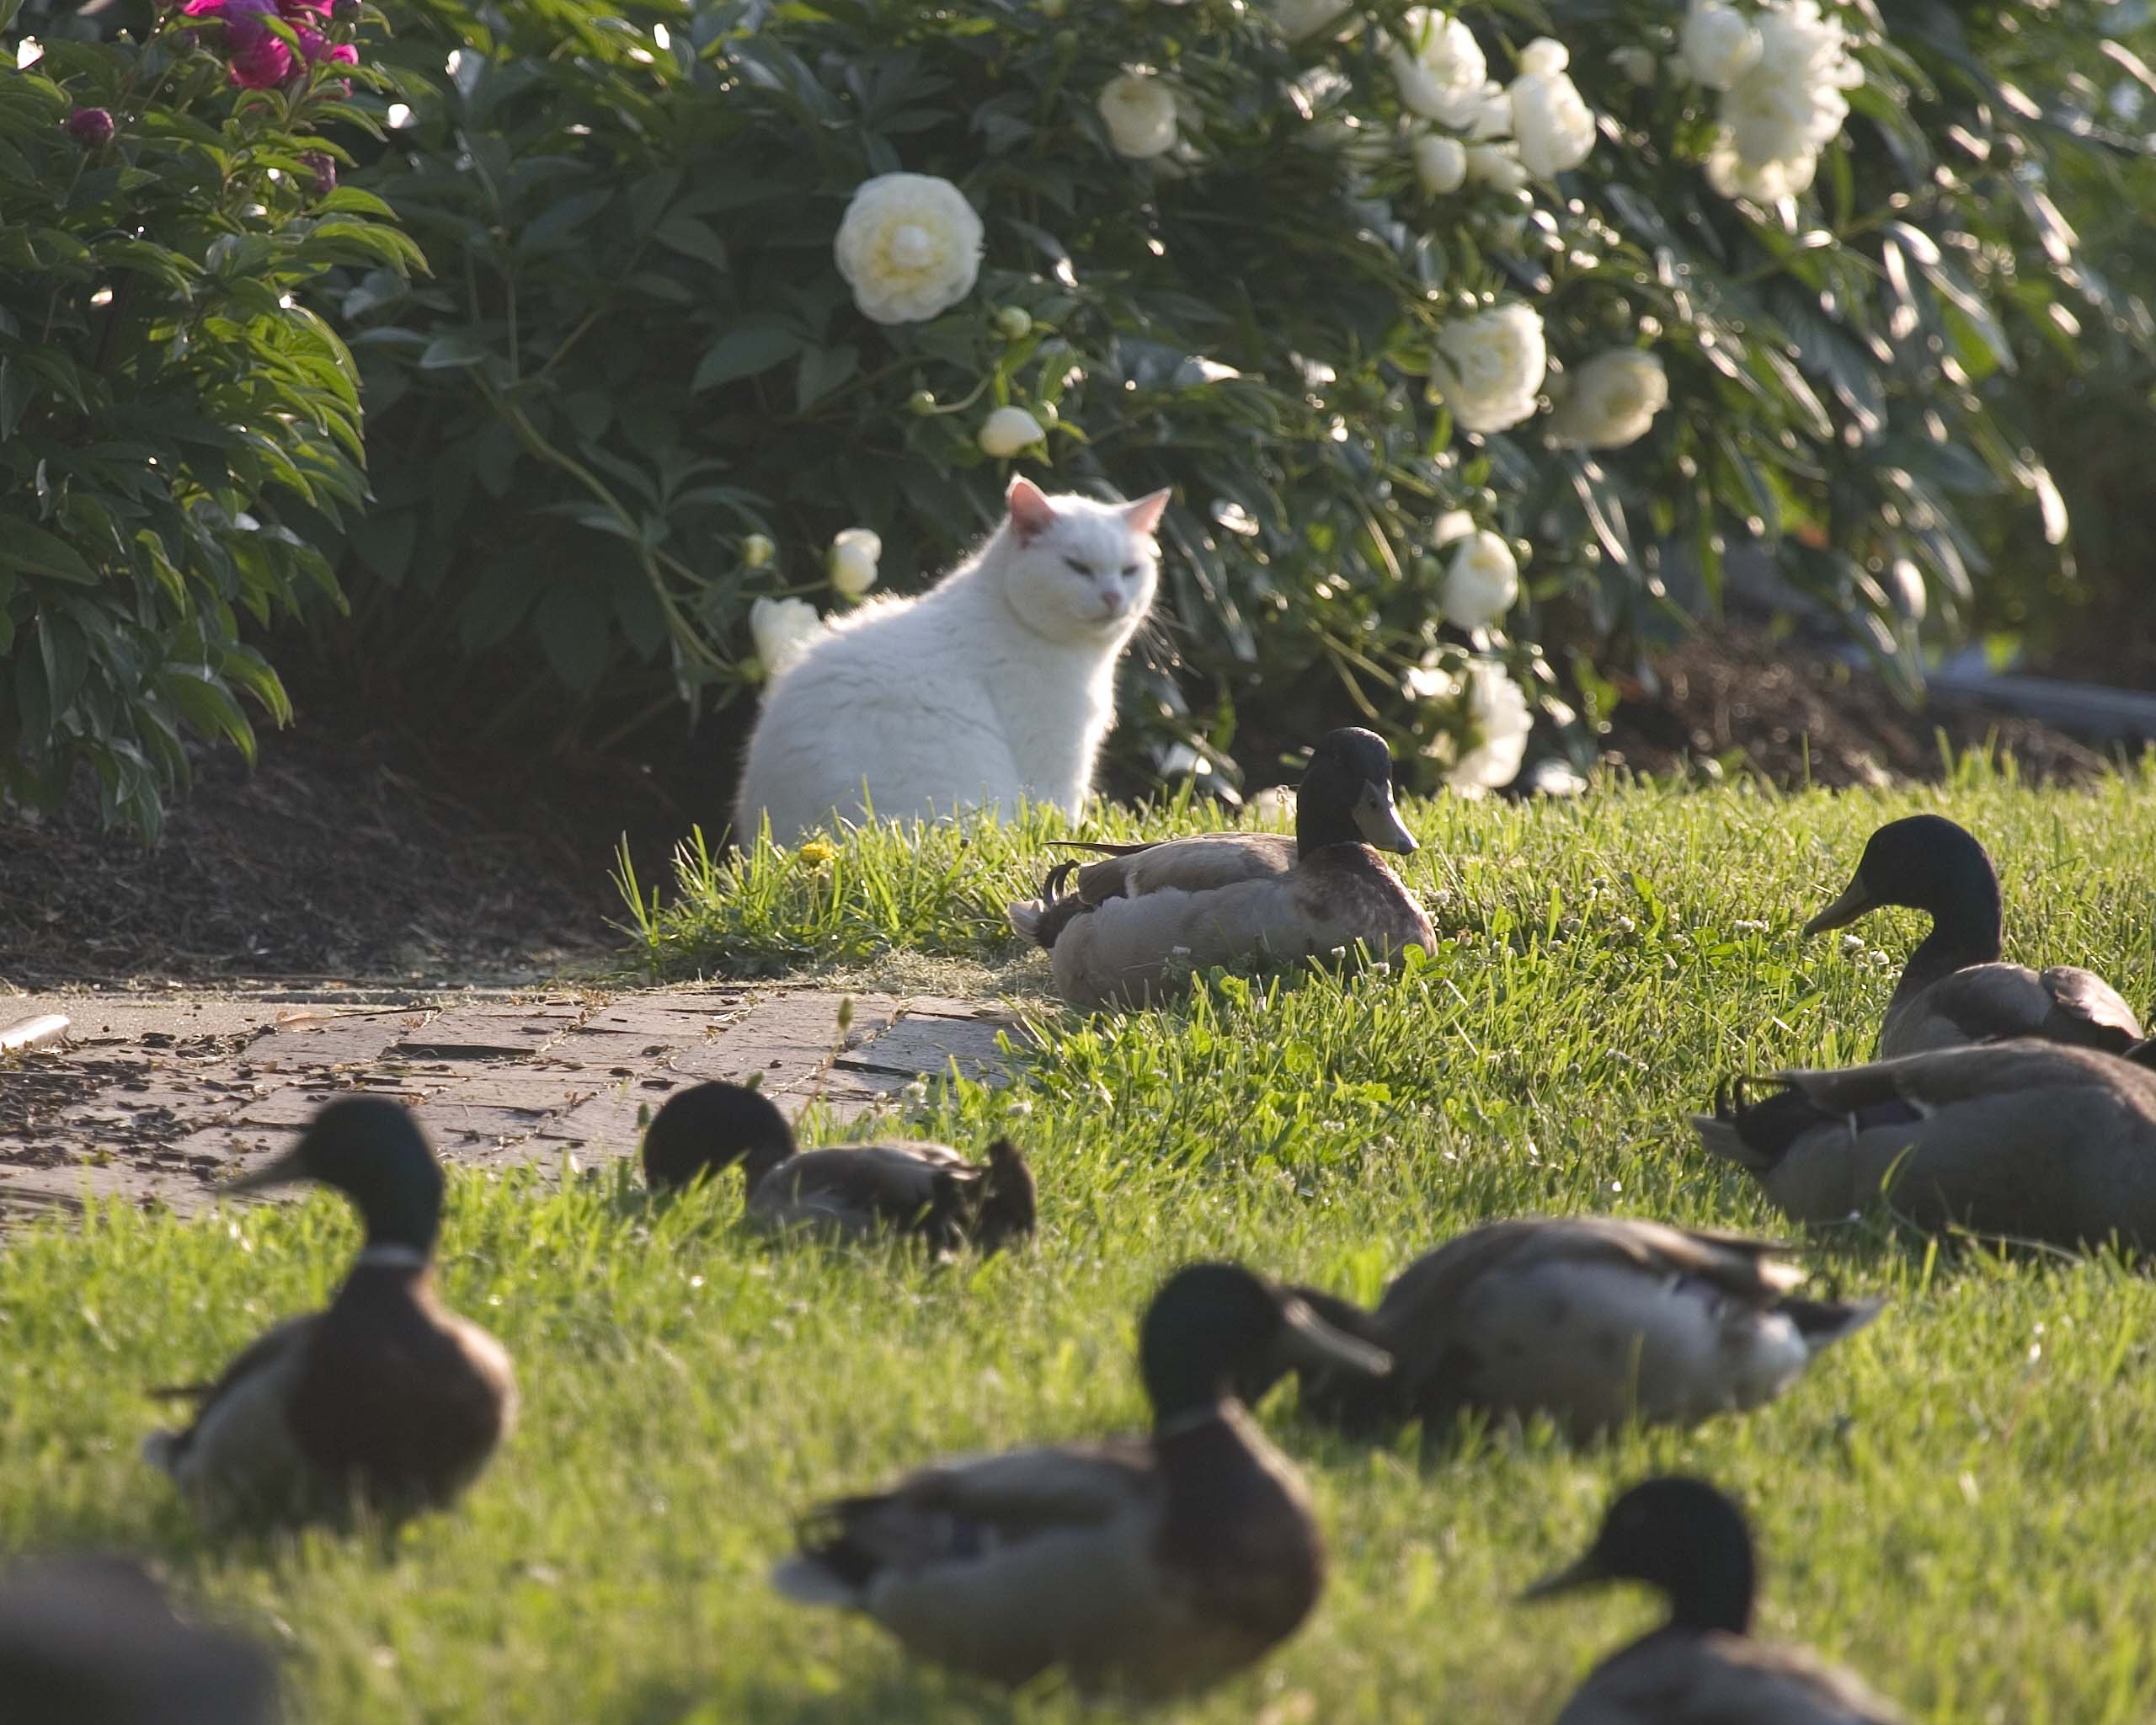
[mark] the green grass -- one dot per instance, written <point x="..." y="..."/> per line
<point x="1956" y="1502"/>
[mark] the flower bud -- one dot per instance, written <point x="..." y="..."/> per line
<point x="1014" y="322"/>
<point x="1010" y="431"/>
<point x="90" y="126"/>
<point x="921" y="402"/>
<point x="757" y="550"/>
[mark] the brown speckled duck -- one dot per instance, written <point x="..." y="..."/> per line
<point x="1702" y="1667"/>
<point x="1953" y="990"/>
<point x="1593" y="1321"/>
<point x="2023" y="1139"/>
<point x="847" y="1191"/>
<point x="385" y="1396"/>
<point x="1143" y="919"/>
<point x="1147" y="1569"/>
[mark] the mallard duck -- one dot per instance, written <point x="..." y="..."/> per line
<point x="1149" y="1568"/>
<point x="1702" y="1667"/>
<point x="1593" y="1321"/>
<point x="1148" y="914"/>
<point x="91" y="1640"/>
<point x="385" y="1396"/>
<point x="849" y="1192"/>
<point x="2024" y="1138"/>
<point x="1953" y="990"/>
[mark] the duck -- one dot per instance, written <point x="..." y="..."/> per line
<point x="385" y="1399"/>
<point x="91" y="1640"/>
<point x="1688" y="1539"/>
<point x="1954" y="989"/>
<point x="1142" y="1568"/>
<point x="1147" y="916"/>
<point x="1595" y="1321"/>
<point x="2024" y="1139"/>
<point x="927" y="1190"/>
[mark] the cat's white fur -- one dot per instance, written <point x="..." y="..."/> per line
<point x="997" y="683"/>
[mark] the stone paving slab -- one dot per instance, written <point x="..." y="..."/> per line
<point x="158" y="1100"/>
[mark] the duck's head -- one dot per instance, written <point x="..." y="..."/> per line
<point x="371" y="1150"/>
<point x="1215" y="1327"/>
<point x="1346" y="796"/>
<point x="1677" y="1534"/>
<point x="708" y="1127"/>
<point x="1009" y="1200"/>
<point x="1925" y="862"/>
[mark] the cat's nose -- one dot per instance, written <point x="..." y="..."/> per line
<point x="1113" y="605"/>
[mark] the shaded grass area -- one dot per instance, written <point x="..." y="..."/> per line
<point x="1956" y="1501"/>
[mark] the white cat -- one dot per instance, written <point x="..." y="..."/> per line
<point x="997" y="683"/>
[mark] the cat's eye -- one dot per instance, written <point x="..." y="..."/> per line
<point x="1129" y="569"/>
<point x="1076" y="567"/>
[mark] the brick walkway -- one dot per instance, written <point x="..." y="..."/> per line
<point x="161" y="1100"/>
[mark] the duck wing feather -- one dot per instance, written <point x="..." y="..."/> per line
<point x="1677" y="1677"/>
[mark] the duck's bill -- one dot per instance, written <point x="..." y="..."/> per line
<point x="1587" y="1572"/>
<point x="278" y="1170"/>
<point x="1844" y="910"/>
<point x="1380" y="821"/>
<point x="1309" y="1340"/>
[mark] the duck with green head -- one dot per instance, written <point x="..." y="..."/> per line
<point x="846" y="1192"/>
<point x="1149" y="914"/>
<point x="1146" y="1568"/>
<point x="385" y="1397"/>
<point x="1954" y="989"/>
<point x="1684" y="1538"/>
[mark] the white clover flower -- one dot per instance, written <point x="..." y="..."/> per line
<point x="1719" y="44"/>
<point x="1138" y="110"/>
<point x="1489" y="367"/>
<point x="1010" y="431"/>
<point x="1481" y="582"/>
<point x="1499" y="720"/>
<point x="909" y="247"/>
<point x="1301" y="18"/>
<point x="854" y="556"/>
<point x="784" y="630"/>
<point x="1440" y="163"/>
<point x="1612" y="399"/>
<point x="1438" y="66"/>
<point x="1497" y="166"/>
<point x="1636" y="65"/>
<point x="1778" y="116"/>
<point x="1551" y="120"/>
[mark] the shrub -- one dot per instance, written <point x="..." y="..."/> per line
<point x="167" y="408"/>
<point x="1265" y="254"/>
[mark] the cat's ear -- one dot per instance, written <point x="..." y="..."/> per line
<point x="1032" y="514"/>
<point x="1144" y="515"/>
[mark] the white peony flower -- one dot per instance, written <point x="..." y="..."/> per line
<point x="854" y="555"/>
<point x="1498" y="165"/>
<point x="1778" y="116"/>
<point x="1138" y="110"/>
<point x="1452" y="524"/>
<point x="784" y="630"/>
<point x="1010" y="431"/>
<point x="1550" y="118"/>
<point x="1498" y="721"/>
<point x="1440" y="163"/>
<point x="1612" y="399"/>
<point x="1719" y="44"/>
<point x="1301" y="18"/>
<point x="909" y="247"/>
<point x="1482" y="582"/>
<point x="1636" y="65"/>
<point x="1489" y="367"/>
<point x="1438" y="66"/>
<point x="1430" y="682"/>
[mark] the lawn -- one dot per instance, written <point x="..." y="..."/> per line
<point x="1956" y="1502"/>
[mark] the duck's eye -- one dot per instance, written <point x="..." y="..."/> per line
<point x="1076" y="567"/>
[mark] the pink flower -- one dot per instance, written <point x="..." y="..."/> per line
<point x="259" y="60"/>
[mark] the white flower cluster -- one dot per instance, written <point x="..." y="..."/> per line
<point x="1782" y="72"/>
<point x="1487" y="738"/>
<point x="1536" y="128"/>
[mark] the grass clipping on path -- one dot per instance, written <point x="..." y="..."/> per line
<point x="1957" y="1501"/>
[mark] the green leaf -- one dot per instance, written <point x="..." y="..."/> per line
<point x="456" y="348"/>
<point x="744" y="351"/>
<point x="38" y="552"/>
<point x="691" y="238"/>
<point x="822" y="370"/>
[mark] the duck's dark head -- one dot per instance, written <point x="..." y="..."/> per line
<point x="708" y="1127"/>
<point x="1215" y="1327"/>
<point x="1677" y="1534"/>
<point x="1346" y="796"/>
<point x="1009" y="1200"/>
<point x="1925" y="862"/>
<point x="371" y="1150"/>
